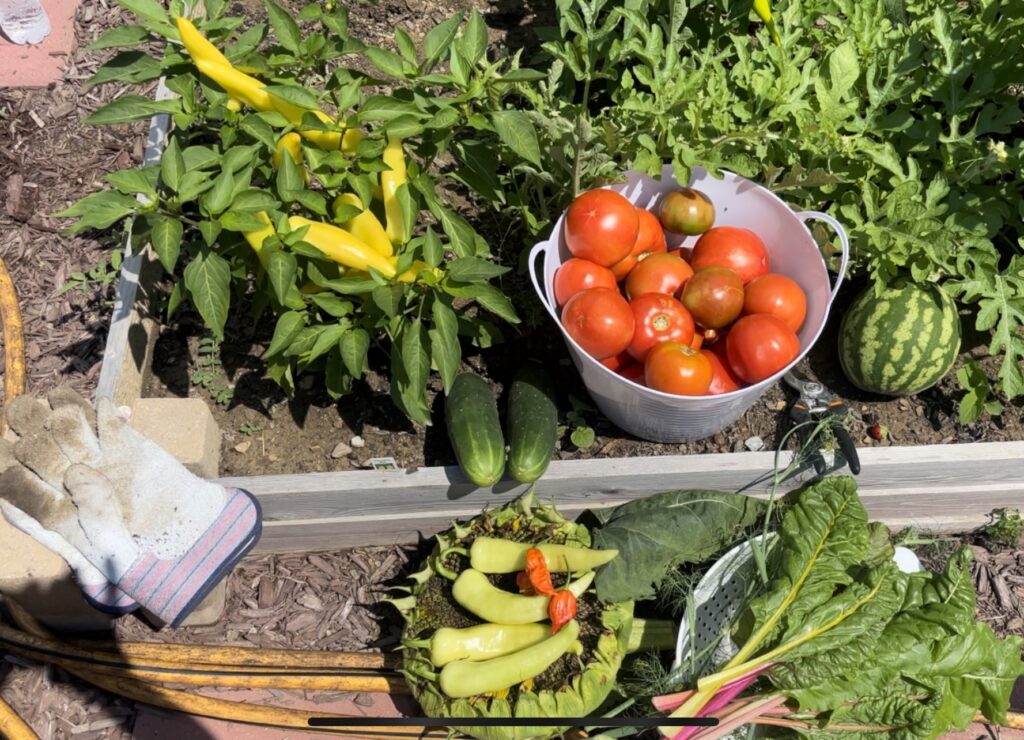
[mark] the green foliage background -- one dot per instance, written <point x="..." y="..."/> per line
<point x="902" y="118"/>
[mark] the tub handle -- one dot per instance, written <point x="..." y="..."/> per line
<point x="843" y="240"/>
<point x="540" y="250"/>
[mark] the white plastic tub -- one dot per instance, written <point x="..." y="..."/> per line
<point x="663" y="417"/>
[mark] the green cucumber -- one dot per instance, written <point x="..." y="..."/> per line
<point x="474" y="429"/>
<point x="532" y="423"/>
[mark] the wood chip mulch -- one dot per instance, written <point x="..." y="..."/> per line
<point x="308" y="601"/>
<point x="48" y="160"/>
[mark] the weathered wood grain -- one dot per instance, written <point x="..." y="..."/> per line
<point x="934" y="488"/>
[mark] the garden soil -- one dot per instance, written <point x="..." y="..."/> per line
<point x="265" y="432"/>
<point x="325" y="601"/>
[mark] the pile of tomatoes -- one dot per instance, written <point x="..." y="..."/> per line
<point x="690" y="322"/>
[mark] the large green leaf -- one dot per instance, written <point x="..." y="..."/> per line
<point x="166" y="238"/>
<point x="129" y="36"/>
<point x="131" y="108"/>
<point x="128" y="66"/>
<point x="285" y="28"/>
<point x="410" y="367"/>
<point x="647" y="534"/>
<point x="445" y="350"/>
<point x="517" y="132"/>
<point x="288" y="327"/>
<point x="208" y="279"/>
<point x="979" y="671"/>
<point x="355" y="344"/>
<point x="281" y="268"/>
<point x="822" y="538"/>
<point x="99" y="210"/>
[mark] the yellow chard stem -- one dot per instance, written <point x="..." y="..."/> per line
<point x="390" y="181"/>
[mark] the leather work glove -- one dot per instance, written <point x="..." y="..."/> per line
<point x="134" y="525"/>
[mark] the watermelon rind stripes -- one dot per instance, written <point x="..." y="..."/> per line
<point x="900" y="342"/>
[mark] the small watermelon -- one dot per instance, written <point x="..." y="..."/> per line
<point x="900" y="342"/>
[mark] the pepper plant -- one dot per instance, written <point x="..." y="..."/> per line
<point x="239" y="207"/>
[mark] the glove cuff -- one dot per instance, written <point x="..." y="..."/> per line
<point x="171" y="589"/>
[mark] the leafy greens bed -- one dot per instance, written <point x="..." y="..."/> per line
<point x="900" y="117"/>
<point x="837" y="640"/>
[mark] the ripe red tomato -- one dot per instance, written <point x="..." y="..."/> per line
<point x="601" y="226"/>
<point x="723" y="379"/>
<point x="659" y="318"/>
<point x="600" y="321"/>
<point x="741" y="250"/>
<point x="575" y="275"/>
<point x="616" y="363"/>
<point x="687" y="211"/>
<point x="759" y="345"/>
<point x="634" y="372"/>
<point x="777" y="295"/>
<point x="650" y="239"/>
<point x="714" y="296"/>
<point x="660" y="273"/>
<point x="673" y="367"/>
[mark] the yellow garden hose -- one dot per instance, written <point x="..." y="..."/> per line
<point x="233" y="676"/>
<point x="240" y="656"/>
<point x="182" y="701"/>
<point x="14" y="341"/>
<point x="12" y="726"/>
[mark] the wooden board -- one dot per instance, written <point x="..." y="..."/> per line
<point x="932" y="488"/>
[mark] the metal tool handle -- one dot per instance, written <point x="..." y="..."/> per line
<point x="849" y="449"/>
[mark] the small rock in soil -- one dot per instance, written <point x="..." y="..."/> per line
<point x="243" y="446"/>
<point x="341" y="450"/>
<point x="754" y="444"/>
<point x="358" y="441"/>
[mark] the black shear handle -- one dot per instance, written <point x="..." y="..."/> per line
<point x="848" y="448"/>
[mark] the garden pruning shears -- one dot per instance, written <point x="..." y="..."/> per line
<point x="814" y="402"/>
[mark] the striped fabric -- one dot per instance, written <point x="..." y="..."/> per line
<point x="171" y="589"/>
<point x="108" y="598"/>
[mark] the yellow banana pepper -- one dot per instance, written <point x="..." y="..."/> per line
<point x="241" y="87"/>
<point x="342" y="247"/>
<point x="763" y="8"/>
<point x="389" y="184"/>
<point x="365" y="226"/>
<point x="410" y="275"/>
<point x="256" y="238"/>
<point x="198" y="46"/>
<point x="291" y="143"/>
